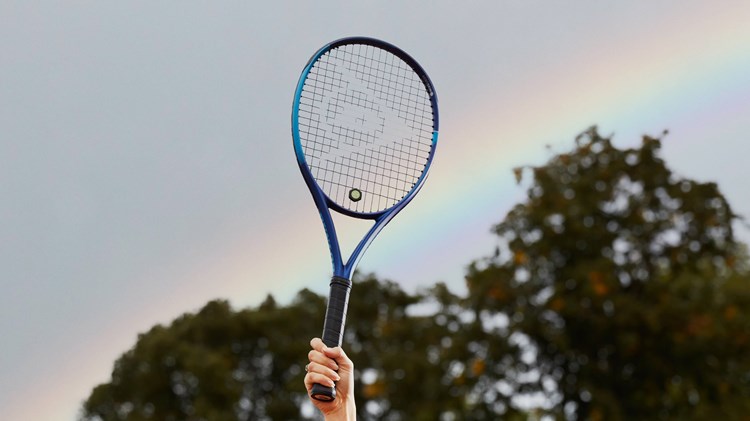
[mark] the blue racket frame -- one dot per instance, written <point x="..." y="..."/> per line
<point x="340" y="285"/>
<point x="322" y="201"/>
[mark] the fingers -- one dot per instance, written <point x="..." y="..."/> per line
<point x="339" y="356"/>
<point x="312" y="377"/>
<point x="322" y="368"/>
<point x="321" y="359"/>
<point x="329" y="367"/>
<point x="314" y="367"/>
<point x="317" y="344"/>
<point x="333" y="353"/>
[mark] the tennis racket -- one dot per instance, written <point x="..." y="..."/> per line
<point x="365" y="127"/>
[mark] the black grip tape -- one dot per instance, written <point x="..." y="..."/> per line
<point x="333" y="328"/>
<point x="338" y="301"/>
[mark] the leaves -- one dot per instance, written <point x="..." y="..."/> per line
<point x="621" y="273"/>
<point x="222" y="364"/>
<point x="617" y="292"/>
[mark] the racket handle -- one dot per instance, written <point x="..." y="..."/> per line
<point x="333" y="328"/>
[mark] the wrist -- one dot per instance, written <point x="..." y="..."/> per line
<point x="347" y="412"/>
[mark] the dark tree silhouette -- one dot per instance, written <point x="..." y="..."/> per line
<point x="221" y="364"/>
<point x="622" y="282"/>
<point x="617" y="292"/>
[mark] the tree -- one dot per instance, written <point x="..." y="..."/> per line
<point x="617" y="292"/>
<point x="220" y="364"/>
<point x="421" y="357"/>
<point x="625" y="287"/>
<point x="217" y="364"/>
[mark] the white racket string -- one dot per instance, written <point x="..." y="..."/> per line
<point x="366" y="127"/>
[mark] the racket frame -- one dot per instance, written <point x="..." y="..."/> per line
<point x="322" y="201"/>
<point x="343" y="270"/>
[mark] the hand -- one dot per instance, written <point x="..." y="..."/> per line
<point x="331" y="367"/>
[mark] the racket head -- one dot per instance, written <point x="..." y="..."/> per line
<point x="364" y="126"/>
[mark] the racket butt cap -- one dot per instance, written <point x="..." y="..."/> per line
<point x="323" y="393"/>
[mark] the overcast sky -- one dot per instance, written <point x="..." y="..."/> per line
<point x="146" y="164"/>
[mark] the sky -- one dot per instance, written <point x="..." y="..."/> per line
<point x="146" y="161"/>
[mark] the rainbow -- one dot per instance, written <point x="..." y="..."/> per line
<point x="683" y="81"/>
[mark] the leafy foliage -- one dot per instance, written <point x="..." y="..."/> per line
<point x="220" y="364"/>
<point x="217" y="364"/>
<point x="619" y="278"/>
<point x="617" y="292"/>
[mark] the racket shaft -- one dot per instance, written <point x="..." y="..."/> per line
<point x="333" y="328"/>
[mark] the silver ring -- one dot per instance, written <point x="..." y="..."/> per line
<point x="306" y="365"/>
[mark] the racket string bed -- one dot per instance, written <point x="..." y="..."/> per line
<point x="365" y="124"/>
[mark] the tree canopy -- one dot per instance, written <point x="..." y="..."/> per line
<point x="221" y="364"/>
<point x="624" y="282"/>
<point x="617" y="292"/>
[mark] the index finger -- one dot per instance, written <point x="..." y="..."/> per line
<point x="317" y="344"/>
